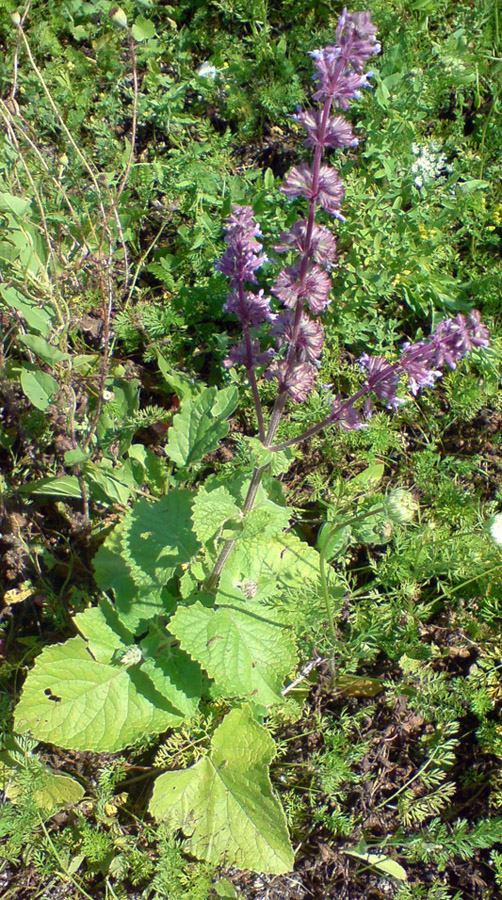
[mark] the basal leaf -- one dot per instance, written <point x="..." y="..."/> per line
<point x="266" y="520"/>
<point x="11" y="203"/>
<point x="43" y="349"/>
<point x="86" y="694"/>
<point x="143" y="29"/>
<point x="200" y="425"/>
<point x="225" y="804"/>
<point x="244" y="649"/>
<point x="37" y="318"/>
<point x="172" y="672"/>
<point x="183" y="385"/>
<point x="157" y="538"/>
<point x="135" y="605"/>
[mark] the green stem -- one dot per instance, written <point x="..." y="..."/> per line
<point x="66" y="875"/>
<point x="329" y="608"/>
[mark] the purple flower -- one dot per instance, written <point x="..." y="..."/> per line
<point x="382" y="379"/>
<point x="243" y="256"/>
<point x="238" y="356"/>
<point x="329" y="192"/>
<point x="322" y="242"/>
<point x="297" y="380"/>
<point x="315" y="289"/>
<point x="337" y="132"/>
<point x="310" y="338"/>
<point x="343" y="88"/>
<point x="419" y="362"/>
<point x="344" y="413"/>
<point x="356" y="37"/>
<point x="251" y="309"/>
<point x="454" y="338"/>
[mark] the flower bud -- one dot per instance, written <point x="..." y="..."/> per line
<point x="496" y="529"/>
<point x="15" y="18"/>
<point x="401" y="507"/>
<point x="118" y="16"/>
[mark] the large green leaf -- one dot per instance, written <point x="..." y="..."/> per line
<point x="225" y="804"/>
<point x="211" y="510"/>
<point x="200" y="425"/>
<point x="157" y="538"/>
<point x="244" y="649"/>
<point x="94" y="694"/>
<point x="266" y="566"/>
<point x="135" y="606"/>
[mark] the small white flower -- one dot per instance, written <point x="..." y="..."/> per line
<point x="496" y="529"/>
<point x="206" y="70"/>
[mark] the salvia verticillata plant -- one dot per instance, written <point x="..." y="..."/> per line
<point x="201" y="583"/>
<point x="303" y="288"/>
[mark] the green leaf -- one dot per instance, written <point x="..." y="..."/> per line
<point x="143" y="29"/>
<point x="109" y="484"/>
<point x="36" y="317"/>
<point x="13" y="204"/>
<point x="472" y="184"/>
<point x="333" y="541"/>
<point x="382" y="863"/>
<point x="266" y="520"/>
<point x="80" y="695"/>
<point x="278" y="461"/>
<point x="244" y="649"/>
<point x="65" y="486"/>
<point x="38" y="387"/>
<point x="154" y="467"/>
<point x="57" y="792"/>
<point x="211" y="509"/>
<point x="157" y="538"/>
<point x="367" y="479"/>
<point x="172" y="672"/>
<point x="268" y="179"/>
<point x="263" y="567"/>
<point x="75" y="457"/>
<point x="183" y="385"/>
<point x="200" y="425"/>
<point x="225" y="804"/>
<point x="135" y="605"/>
<point x="43" y="349"/>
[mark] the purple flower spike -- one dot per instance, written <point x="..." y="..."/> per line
<point x="243" y="256"/>
<point x="356" y="37"/>
<point x="418" y="361"/>
<point x="238" y="356"/>
<point x="345" y="414"/>
<point x="454" y="338"/>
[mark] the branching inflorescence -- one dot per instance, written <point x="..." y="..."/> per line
<point x="302" y="289"/>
